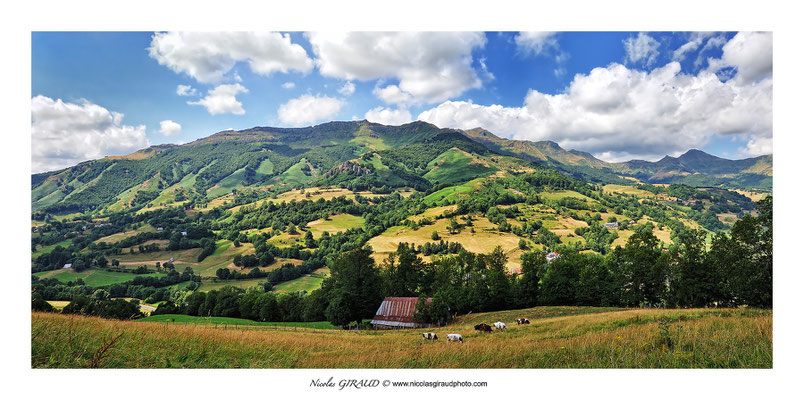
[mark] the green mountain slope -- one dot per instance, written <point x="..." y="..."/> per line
<point x="694" y="168"/>
<point x="358" y="155"/>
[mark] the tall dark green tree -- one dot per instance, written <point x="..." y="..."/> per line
<point x="641" y="270"/>
<point x="533" y="267"/>
<point x="356" y="287"/>
<point x="693" y="280"/>
<point x="744" y="259"/>
<point x="403" y="272"/>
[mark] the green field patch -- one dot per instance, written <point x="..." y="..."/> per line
<point x="457" y="166"/>
<point x="266" y="168"/>
<point x="334" y="224"/>
<point x="232" y="182"/>
<point x="93" y="277"/>
<point x="295" y="175"/>
<point x="450" y="193"/>
<point x="208" y="285"/>
<point x="306" y="283"/>
<point x="189" y="319"/>
<point x="47" y="249"/>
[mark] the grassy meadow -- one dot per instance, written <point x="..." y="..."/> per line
<point x="92" y="277"/>
<point x="558" y="337"/>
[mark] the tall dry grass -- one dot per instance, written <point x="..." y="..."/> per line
<point x="696" y="338"/>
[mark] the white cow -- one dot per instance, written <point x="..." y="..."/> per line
<point x="499" y="325"/>
<point x="454" y="337"/>
<point x="429" y="336"/>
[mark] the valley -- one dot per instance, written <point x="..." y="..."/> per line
<point x="316" y="225"/>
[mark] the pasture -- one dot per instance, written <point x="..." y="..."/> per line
<point x="180" y="319"/>
<point x="306" y="283"/>
<point x="629" y="190"/>
<point x="92" y="277"/>
<point x="334" y="224"/>
<point x="557" y="337"/>
<point x="485" y="238"/>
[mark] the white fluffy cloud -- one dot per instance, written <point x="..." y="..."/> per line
<point x="307" y="109"/>
<point x="751" y="53"/>
<point x="347" y="89"/>
<point x="392" y="94"/>
<point x="429" y="66"/>
<point x="64" y="134"/>
<point x="185" y="90"/>
<point x="642" y="49"/>
<point x="387" y="116"/>
<point x="209" y="56"/>
<point x="168" y="127"/>
<point x="222" y="99"/>
<point x="619" y="113"/>
<point x="535" y="42"/>
<point x="288" y="85"/>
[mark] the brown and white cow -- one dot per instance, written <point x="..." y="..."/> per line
<point x="483" y="327"/>
<point x="522" y="321"/>
<point x="429" y="336"/>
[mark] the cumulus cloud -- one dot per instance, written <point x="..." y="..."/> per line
<point x="222" y="99"/>
<point x="64" y="134"/>
<point x="429" y="66"/>
<point x="347" y="89"/>
<point x="535" y="43"/>
<point x="185" y="90"/>
<point x="209" y="56"/>
<point x="308" y="109"/>
<point x="168" y="127"/>
<point x="619" y="113"/>
<point x="757" y="146"/>
<point x="288" y="85"/>
<point x="392" y="94"/>
<point x="751" y="53"/>
<point x="641" y="49"/>
<point x="388" y="116"/>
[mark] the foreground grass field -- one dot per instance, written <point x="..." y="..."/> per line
<point x="558" y="337"/>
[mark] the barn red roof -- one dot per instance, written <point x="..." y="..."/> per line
<point x="397" y="312"/>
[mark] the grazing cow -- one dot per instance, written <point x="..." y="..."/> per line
<point x="454" y="337"/>
<point x="429" y="336"/>
<point x="483" y="327"/>
<point x="499" y="325"/>
<point x="522" y="321"/>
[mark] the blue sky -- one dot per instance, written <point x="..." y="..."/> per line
<point x="617" y="95"/>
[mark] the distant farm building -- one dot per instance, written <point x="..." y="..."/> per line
<point x="67" y="266"/>
<point x="552" y="256"/>
<point x="611" y="225"/>
<point x="397" y="312"/>
<point x="184" y="233"/>
<point x="515" y="271"/>
<point x="160" y="229"/>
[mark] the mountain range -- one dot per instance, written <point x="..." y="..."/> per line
<point x="357" y="154"/>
